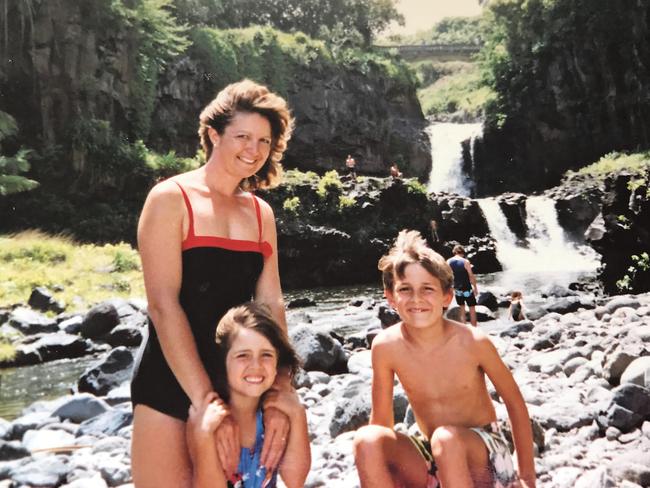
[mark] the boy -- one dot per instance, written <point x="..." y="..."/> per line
<point x="465" y="287"/>
<point x="441" y="365"/>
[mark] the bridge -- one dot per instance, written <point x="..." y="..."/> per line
<point x="436" y="52"/>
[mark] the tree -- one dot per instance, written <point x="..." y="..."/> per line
<point x="361" y="17"/>
<point x="12" y="166"/>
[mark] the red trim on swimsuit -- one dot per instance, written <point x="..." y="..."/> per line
<point x="192" y="240"/>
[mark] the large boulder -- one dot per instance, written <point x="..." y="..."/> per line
<point x="318" y="350"/>
<point x="109" y="373"/>
<point x="29" y="321"/>
<point x="100" y="320"/>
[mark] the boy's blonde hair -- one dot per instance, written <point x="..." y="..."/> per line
<point x="411" y="248"/>
<point x="246" y="96"/>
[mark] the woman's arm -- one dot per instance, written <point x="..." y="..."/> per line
<point x="296" y="462"/>
<point x="160" y="232"/>
<point x="268" y="289"/>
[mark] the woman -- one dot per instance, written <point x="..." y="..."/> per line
<point x="206" y="244"/>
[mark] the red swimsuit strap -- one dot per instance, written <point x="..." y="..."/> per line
<point x="190" y="214"/>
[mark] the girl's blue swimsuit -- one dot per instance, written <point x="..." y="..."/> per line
<point x="250" y="474"/>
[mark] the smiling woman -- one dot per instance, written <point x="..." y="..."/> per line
<point x="207" y="244"/>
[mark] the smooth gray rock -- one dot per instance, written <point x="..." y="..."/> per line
<point x="46" y="472"/>
<point x="30" y="322"/>
<point x="318" y="350"/>
<point x="81" y="407"/>
<point x="106" y="424"/>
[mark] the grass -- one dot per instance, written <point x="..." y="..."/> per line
<point x="78" y="274"/>
<point x="636" y="163"/>
<point x="459" y="91"/>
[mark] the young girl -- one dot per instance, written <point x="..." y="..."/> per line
<point x="516" y="310"/>
<point x="252" y="347"/>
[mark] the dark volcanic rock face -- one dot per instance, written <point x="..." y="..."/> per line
<point x="622" y="236"/>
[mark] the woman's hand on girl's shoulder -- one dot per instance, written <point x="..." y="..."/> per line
<point x="286" y="401"/>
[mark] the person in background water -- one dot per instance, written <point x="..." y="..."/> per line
<point x="207" y="244"/>
<point x="351" y="165"/>
<point x="465" y="288"/>
<point x="516" y="310"/>
<point x="251" y="348"/>
<point x="395" y="173"/>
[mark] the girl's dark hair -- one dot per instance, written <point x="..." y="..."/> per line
<point x="257" y="317"/>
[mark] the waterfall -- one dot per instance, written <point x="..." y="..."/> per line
<point x="549" y="243"/>
<point x="447" y="155"/>
<point x="548" y="250"/>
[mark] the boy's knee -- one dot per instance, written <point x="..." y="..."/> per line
<point x="445" y="439"/>
<point x="369" y="440"/>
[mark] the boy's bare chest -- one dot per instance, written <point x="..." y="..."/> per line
<point x="440" y="374"/>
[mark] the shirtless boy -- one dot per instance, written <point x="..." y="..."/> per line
<point x="442" y="366"/>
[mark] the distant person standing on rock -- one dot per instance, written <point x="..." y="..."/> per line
<point x="351" y="165"/>
<point x="516" y="310"/>
<point x="465" y="288"/>
<point x="395" y="173"/>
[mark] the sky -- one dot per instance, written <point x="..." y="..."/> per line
<point x="423" y="14"/>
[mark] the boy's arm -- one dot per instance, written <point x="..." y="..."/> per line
<point x="507" y="388"/>
<point x="382" y="385"/>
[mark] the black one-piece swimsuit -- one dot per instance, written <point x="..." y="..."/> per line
<point x="218" y="274"/>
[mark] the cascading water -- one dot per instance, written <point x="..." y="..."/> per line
<point x="549" y="258"/>
<point x="447" y="155"/>
<point x="547" y="240"/>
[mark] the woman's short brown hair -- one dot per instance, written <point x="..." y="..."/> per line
<point x="410" y="248"/>
<point x="257" y="317"/>
<point x="248" y="96"/>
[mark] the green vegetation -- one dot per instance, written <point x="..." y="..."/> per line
<point x="637" y="164"/>
<point x="278" y="58"/>
<point x="11" y="167"/>
<point x="292" y="205"/>
<point x="460" y="91"/>
<point x="79" y="275"/>
<point x="350" y="19"/>
<point x="329" y="184"/>
<point x="449" y="31"/>
<point x="639" y="271"/>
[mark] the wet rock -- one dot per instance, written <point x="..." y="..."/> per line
<point x="301" y="302"/>
<point x="109" y="373"/>
<point x="488" y="299"/>
<point x="123" y="335"/>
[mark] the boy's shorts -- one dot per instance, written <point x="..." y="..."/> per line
<point x="500" y="466"/>
<point x="465" y="297"/>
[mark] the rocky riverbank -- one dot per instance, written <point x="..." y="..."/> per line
<point x="584" y="374"/>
